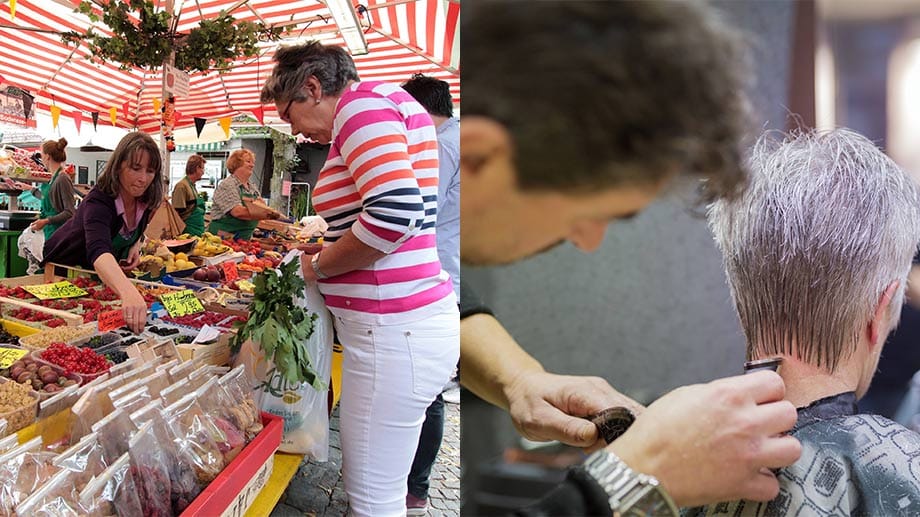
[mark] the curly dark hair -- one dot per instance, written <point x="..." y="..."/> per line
<point x="600" y="94"/>
<point x="330" y="64"/>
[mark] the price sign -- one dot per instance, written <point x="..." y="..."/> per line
<point x="56" y="290"/>
<point x="230" y="271"/>
<point x="111" y="320"/>
<point x="181" y="303"/>
<point x="9" y="356"/>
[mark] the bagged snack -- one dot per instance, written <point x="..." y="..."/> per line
<point x="114" y="492"/>
<point x="184" y="485"/>
<point x="23" y="469"/>
<point x="57" y="498"/>
<point x="3" y="427"/>
<point x="150" y="466"/>
<point x="231" y="439"/>
<point x="125" y="388"/>
<point x="174" y="393"/>
<point x="181" y="371"/>
<point x="114" y="431"/>
<point x="86" y="460"/>
<point x="9" y="443"/>
<point x="237" y="394"/>
<point x="198" y="377"/>
<point x="124" y="367"/>
<point x="193" y="433"/>
<point x="156" y="383"/>
<point x="61" y="401"/>
<point x="139" y="372"/>
<point x="134" y="400"/>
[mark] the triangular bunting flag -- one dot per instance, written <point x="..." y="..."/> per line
<point x="126" y="109"/>
<point x="12" y="9"/>
<point x="225" y="125"/>
<point x="78" y="119"/>
<point x="157" y="105"/>
<point x="199" y="125"/>
<point x="113" y="115"/>
<point x="176" y="117"/>
<point x="259" y="112"/>
<point x="55" y="115"/>
<point x="95" y="115"/>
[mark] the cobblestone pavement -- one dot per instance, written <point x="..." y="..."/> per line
<point x="317" y="488"/>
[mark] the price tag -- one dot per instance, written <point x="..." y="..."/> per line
<point x="181" y="303"/>
<point x="9" y="356"/>
<point x="230" y="272"/>
<point x="111" y="320"/>
<point x="56" y="290"/>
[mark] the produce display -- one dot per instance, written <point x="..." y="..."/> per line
<point x="39" y="377"/>
<point x="17" y="405"/>
<point x="74" y="359"/>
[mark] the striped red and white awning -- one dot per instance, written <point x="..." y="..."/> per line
<point x="404" y="37"/>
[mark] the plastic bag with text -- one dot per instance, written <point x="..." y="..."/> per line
<point x="304" y="409"/>
<point x="31" y="244"/>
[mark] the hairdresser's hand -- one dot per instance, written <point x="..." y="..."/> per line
<point x="715" y="442"/>
<point x="546" y="406"/>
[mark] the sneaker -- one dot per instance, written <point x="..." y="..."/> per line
<point x="416" y="506"/>
<point x="451" y="396"/>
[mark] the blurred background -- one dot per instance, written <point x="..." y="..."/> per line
<point x="651" y="314"/>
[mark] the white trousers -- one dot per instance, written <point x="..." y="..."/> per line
<point x="391" y="374"/>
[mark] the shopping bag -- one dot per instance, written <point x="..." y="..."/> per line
<point x="304" y="409"/>
<point x="31" y="246"/>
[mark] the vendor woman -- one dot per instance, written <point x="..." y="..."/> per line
<point x="107" y="230"/>
<point x="237" y="208"/>
<point x="185" y="196"/>
<point x="57" y="196"/>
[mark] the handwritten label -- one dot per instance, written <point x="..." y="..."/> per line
<point x="181" y="303"/>
<point x="56" y="290"/>
<point x="9" y="356"/>
<point x="111" y="320"/>
<point x="230" y="271"/>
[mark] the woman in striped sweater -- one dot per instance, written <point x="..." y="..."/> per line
<point x="394" y="307"/>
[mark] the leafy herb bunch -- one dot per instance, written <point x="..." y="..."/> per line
<point x="279" y="326"/>
<point x="147" y="39"/>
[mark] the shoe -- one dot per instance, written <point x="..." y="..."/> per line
<point x="451" y="396"/>
<point x="416" y="506"/>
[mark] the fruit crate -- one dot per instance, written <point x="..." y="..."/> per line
<point x="9" y="305"/>
<point x="43" y="394"/>
<point x="23" y="416"/>
<point x="70" y="335"/>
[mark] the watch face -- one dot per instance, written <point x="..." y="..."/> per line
<point x="612" y="422"/>
<point x="652" y="504"/>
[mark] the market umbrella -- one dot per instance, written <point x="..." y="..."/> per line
<point x="403" y="37"/>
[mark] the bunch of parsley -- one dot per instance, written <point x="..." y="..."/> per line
<point x="279" y="326"/>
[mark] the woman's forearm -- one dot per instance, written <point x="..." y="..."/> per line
<point x="111" y="274"/>
<point x="348" y="254"/>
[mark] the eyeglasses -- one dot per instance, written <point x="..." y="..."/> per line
<point x="286" y="112"/>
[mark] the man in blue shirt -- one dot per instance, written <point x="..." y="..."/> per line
<point x="434" y="95"/>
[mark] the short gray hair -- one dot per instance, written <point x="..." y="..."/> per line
<point x="330" y="64"/>
<point x="827" y="222"/>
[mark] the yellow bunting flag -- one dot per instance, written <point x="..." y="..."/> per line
<point x="156" y="105"/>
<point x="55" y="115"/>
<point x="225" y="124"/>
<point x="113" y="115"/>
<point x="12" y="9"/>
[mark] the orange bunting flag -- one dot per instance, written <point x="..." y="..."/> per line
<point x="113" y="115"/>
<point x="157" y="105"/>
<point x="12" y="9"/>
<point x="55" y="115"/>
<point x="225" y="125"/>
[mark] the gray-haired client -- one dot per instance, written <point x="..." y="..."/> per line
<point x="817" y="252"/>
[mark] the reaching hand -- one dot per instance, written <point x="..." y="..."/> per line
<point x="715" y="442"/>
<point x="545" y="406"/>
<point x="135" y="310"/>
<point x="39" y="224"/>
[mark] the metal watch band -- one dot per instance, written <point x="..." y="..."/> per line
<point x="314" y="262"/>
<point x="630" y="493"/>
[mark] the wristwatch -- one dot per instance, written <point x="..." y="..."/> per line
<point x="631" y="493"/>
<point x="314" y="262"/>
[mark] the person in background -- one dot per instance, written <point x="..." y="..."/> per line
<point x="106" y="232"/>
<point x="434" y="95"/>
<point x="185" y="197"/>
<point x="237" y="207"/>
<point x="394" y="306"/>
<point x="576" y="114"/>
<point x="57" y="196"/>
<point x="817" y="252"/>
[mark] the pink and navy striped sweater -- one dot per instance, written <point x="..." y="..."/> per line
<point x="380" y="181"/>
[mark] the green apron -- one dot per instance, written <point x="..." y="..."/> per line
<point x="239" y="228"/>
<point x="122" y="245"/>
<point x="47" y="209"/>
<point x="194" y="224"/>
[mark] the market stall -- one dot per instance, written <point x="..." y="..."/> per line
<point x="164" y="404"/>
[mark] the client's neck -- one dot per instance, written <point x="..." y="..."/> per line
<point x="806" y="383"/>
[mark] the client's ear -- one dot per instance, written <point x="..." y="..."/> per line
<point x="877" y="328"/>
<point x="482" y="140"/>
